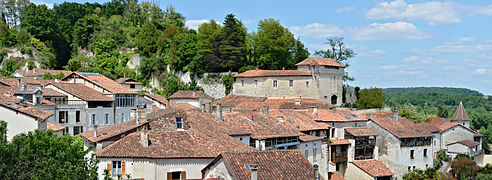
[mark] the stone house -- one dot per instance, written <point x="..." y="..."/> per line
<point x="38" y="73"/>
<point x="315" y="77"/>
<point x="254" y="165"/>
<point x="198" y="99"/>
<point x="157" y="100"/>
<point x="130" y="83"/>
<point x="368" y="170"/>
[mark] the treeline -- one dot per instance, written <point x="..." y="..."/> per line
<point x="420" y="104"/>
<point x="101" y="38"/>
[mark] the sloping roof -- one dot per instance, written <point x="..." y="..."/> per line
<point x="307" y="138"/>
<point x="360" y="131"/>
<point x="15" y="104"/>
<point x="303" y="119"/>
<point x="375" y="168"/>
<point x="232" y="100"/>
<point x="189" y="95"/>
<point x="271" y="73"/>
<point x="332" y="115"/>
<point x="272" y="165"/>
<point x="184" y="106"/>
<point x="104" y="82"/>
<point x="339" y="142"/>
<point x="82" y="91"/>
<point x="302" y="103"/>
<point x="444" y="124"/>
<point x="157" y="97"/>
<point x="319" y="61"/>
<point x="172" y="145"/>
<point x="403" y="128"/>
<point x="334" y="176"/>
<point x="460" y="114"/>
<point x="258" y="125"/>
<point x="48" y="92"/>
<point x="54" y="127"/>
<point x="41" y="72"/>
<point x="112" y="131"/>
<point x="467" y="142"/>
<point x="127" y="81"/>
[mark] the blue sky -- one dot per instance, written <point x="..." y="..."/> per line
<point x="400" y="43"/>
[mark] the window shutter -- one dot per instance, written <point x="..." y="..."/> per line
<point x="183" y="175"/>
<point x="169" y="175"/>
<point x="123" y="168"/>
<point x="109" y="167"/>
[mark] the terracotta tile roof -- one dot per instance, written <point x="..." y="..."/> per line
<point x="403" y="128"/>
<point x="334" y="176"/>
<point x="444" y="124"/>
<point x="307" y="138"/>
<point x="272" y="165"/>
<point x="271" y="73"/>
<point x="184" y="106"/>
<point x="41" y="72"/>
<point x="54" y="127"/>
<point x="258" y="125"/>
<point x="375" y="168"/>
<point x="104" y="82"/>
<point x="128" y="81"/>
<point x="319" y="61"/>
<point x="304" y="103"/>
<point x="233" y="100"/>
<point x="172" y="145"/>
<point x="46" y="102"/>
<point x="189" y="95"/>
<point x="360" y="131"/>
<point x="15" y="104"/>
<point x="303" y="119"/>
<point x="83" y="92"/>
<point x="331" y="115"/>
<point x="248" y="106"/>
<point x="48" y="92"/>
<point x="460" y="114"/>
<point x="155" y="108"/>
<point x="112" y="131"/>
<point x="157" y="97"/>
<point x="467" y="142"/>
<point x="339" y="142"/>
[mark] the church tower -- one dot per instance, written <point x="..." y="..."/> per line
<point x="461" y="117"/>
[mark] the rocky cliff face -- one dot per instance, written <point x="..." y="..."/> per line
<point x="16" y="53"/>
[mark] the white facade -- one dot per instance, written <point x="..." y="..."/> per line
<point x="17" y="122"/>
<point x="218" y="170"/>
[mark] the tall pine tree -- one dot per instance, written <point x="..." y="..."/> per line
<point x="232" y="45"/>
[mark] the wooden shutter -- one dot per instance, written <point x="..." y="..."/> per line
<point x="109" y="167"/>
<point x="123" y="168"/>
<point x="183" y="175"/>
<point x="169" y="175"/>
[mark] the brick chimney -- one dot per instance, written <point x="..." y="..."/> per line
<point x="264" y="110"/>
<point x="395" y="115"/>
<point x="254" y="171"/>
<point x="144" y="138"/>
<point x="95" y="130"/>
<point x="218" y="114"/>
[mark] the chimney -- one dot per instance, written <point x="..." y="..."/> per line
<point x="95" y="130"/>
<point x="144" y="138"/>
<point x="202" y="107"/>
<point x="210" y="107"/>
<point x="256" y="68"/>
<point x="298" y="101"/>
<point x="283" y="68"/>
<point x="19" y="82"/>
<point x="395" y="116"/>
<point x="281" y="119"/>
<point x="57" y="81"/>
<point x="265" y="110"/>
<point x="254" y="171"/>
<point x="218" y="114"/>
<point x="316" y="172"/>
<point x="194" y="93"/>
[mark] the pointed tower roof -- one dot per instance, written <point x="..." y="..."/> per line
<point x="460" y="114"/>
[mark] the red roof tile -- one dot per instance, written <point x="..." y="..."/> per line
<point x="54" y="127"/>
<point x="307" y="138"/>
<point x="104" y="82"/>
<point x="332" y="115"/>
<point x="112" y="131"/>
<point x="460" y="114"/>
<point x="375" y="168"/>
<point x="81" y="91"/>
<point x="319" y="61"/>
<point x="444" y="124"/>
<point x="189" y="95"/>
<point x="233" y="100"/>
<point x="467" y="142"/>
<point x="302" y="103"/>
<point x="334" y="176"/>
<point x="339" y="142"/>
<point x="128" y="81"/>
<point x="298" y="118"/>
<point x="360" y="131"/>
<point x="259" y="126"/>
<point x="184" y="106"/>
<point x="403" y="128"/>
<point x="14" y="104"/>
<point x="48" y="92"/>
<point x="272" y="165"/>
<point x="157" y="97"/>
<point x="271" y="73"/>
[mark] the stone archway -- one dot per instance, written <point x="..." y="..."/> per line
<point x="334" y="99"/>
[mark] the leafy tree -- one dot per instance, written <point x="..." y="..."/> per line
<point x="146" y="39"/>
<point x="232" y="47"/>
<point x="339" y="52"/>
<point x="83" y="30"/>
<point x="207" y="34"/>
<point x="77" y="62"/>
<point x="39" y="21"/>
<point x="228" y="81"/>
<point x="246" y="68"/>
<point x="464" y="167"/>
<point x="417" y="174"/>
<point x="47" y="75"/>
<point x="9" y="67"/>
<point x="171" y="17"/>
<point x="23" y="36"/>
<point x="442" y="112"/>
<point x="44" y="155"/>
<point x="370" y="98"/>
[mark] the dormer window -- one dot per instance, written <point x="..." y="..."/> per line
<point x="179" y="123"/>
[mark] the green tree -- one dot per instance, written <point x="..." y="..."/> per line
<point x="228" y="81"/>
<point x="417" y="174"/>
<point x="147" y="38"/>
<point x="232" y="46"/>
<point x="39" y="21"/>
<point x="83" y="30"/>
<point x="77" y="62"/>
<point x="339" y="52"/>
<point x="171" y="17"/>
<point x="47" y="75"/>
<point x="9" y="67"/>
<point x="464" y="167"/>
<point x="442" y="112"/>
<point x="23" y="36"/>
<point x="370" y="98"/>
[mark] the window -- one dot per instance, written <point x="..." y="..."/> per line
<point x="77" y="130"/>
<point x="411" y="154"/>
<point x="275" y="83"/>
<point x="77" y="116"/>
<point x="306" y="153"/>
<point x="307" y="83"/>
<point x="435" y="142"/>
<point x="333" y="132"/>
<point x="268" y="143"/>
<point x="62" y="117"/>
<point x="116" y="170"/>
<point x="242" y="83"/>
<point x="93" y="119"/>
<point x="409" y="168"/>
<point x="291" y="83"/>
<point x="413" y="168"/>
<point x="337" y="168"/>
<point x="425" y="152"/>
<point x="122" y="116"/>
<point x="176" y="175"/>
<point x="124" y="100"/>
<point x="132" y="86"/>
<point x="65" y="131"/>
<point x="179" y="123"/>
<point x="314" y="155"/>
<point x="256" y="83"/>
<point x="106" y="118"/>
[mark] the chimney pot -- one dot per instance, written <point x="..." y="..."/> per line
<point x="396" y="115"/>
<point x="218" y="114"/>
<point x="194" y="93"/>
<point x="95" y="130"/>
<point x="144" y="139"/>
<point x="283" y="68"/>
<point x="265" y="110"/>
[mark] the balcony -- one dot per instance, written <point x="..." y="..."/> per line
<point x="362" y="157"/>
<point x="477" y="153"/>
<point x="339" y="157"/>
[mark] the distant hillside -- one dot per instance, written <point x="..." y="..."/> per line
<point x="433" y="90"/>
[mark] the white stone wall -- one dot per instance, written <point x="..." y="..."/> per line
<point x="242" y="138"/>
<point x="17" y="122"/>
<point x="355" y="173"/>
<point x="218" y="170"/>
<point x="454" y="134"/>
<point x="388" y="149"/>
<point x="264" y="87"/>
<point x="313" y="150"/>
